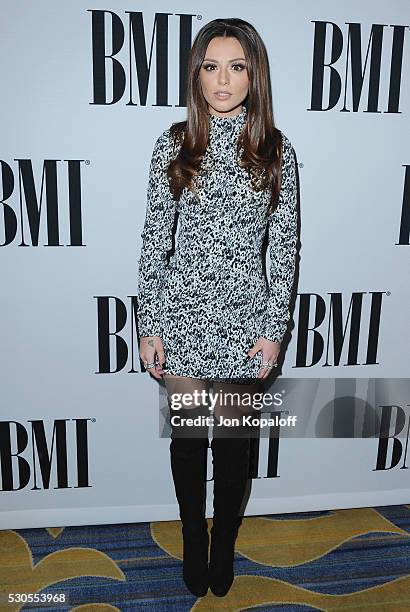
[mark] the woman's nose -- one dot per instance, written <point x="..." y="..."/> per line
<point x="223" y="77"/>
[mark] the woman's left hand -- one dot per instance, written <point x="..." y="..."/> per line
<point x="270" y="351"/>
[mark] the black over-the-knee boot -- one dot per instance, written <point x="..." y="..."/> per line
<point x="230" y="458"/>
<point x="189" y="468"/>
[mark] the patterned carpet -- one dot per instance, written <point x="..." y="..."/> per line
<point x="356" y="559"/>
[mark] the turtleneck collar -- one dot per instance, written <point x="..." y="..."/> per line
<point x="231" y="124"/>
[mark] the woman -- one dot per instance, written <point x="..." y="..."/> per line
<point x="207" y="315"/>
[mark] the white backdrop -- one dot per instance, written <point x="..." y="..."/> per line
<point x="80" y="423"/>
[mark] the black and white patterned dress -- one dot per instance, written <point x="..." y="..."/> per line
<point x="210" y="302"/>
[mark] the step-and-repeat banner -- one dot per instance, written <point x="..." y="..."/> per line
<point x="87" y="88"/>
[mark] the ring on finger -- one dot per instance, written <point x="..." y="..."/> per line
<point x="267" y="364"/>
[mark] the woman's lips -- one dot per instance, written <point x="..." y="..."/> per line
<point x="222" y="96"/>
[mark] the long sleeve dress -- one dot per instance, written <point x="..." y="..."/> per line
<point x="210" y="302"/>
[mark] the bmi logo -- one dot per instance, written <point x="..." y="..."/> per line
<point x="341" y="69"/>
<point x="41" y="456"/>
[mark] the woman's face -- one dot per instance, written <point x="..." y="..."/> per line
<point x="224" y="70"/>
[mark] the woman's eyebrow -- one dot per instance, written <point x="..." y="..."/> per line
<point x="208" y="59"/>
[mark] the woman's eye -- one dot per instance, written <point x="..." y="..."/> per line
<point x="240" y="66"/>
<point x="206" y="66"/>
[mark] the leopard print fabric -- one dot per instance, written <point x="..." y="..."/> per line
<point x="210" y="302"/>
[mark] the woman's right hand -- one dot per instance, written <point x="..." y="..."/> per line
<point x="152" y="351"/>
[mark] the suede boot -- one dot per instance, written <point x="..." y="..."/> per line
<point x="230" y="457"/>
<point x="189" y="468"/>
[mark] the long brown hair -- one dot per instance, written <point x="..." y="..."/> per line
<point x="260" y="139"/>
